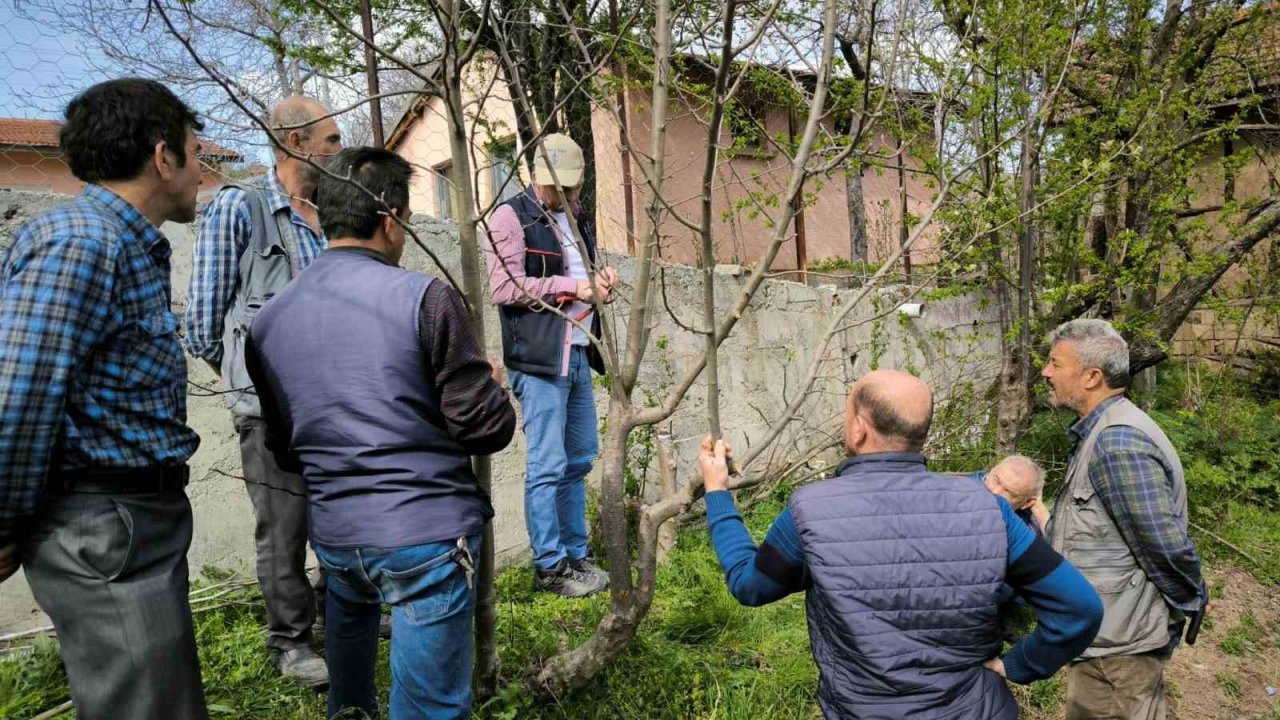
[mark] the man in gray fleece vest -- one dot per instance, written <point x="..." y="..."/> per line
<point x="1122" y="519"/>
<point x="255" y="237"/>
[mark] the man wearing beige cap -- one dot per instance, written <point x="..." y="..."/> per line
<point x="536" y="264"/>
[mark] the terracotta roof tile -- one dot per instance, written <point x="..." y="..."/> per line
<point x="44" y="134"/>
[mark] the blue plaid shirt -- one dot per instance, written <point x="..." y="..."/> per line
<point x="1132" y="478"/>
<point x="91" y="371"/>
<point x="215" y="277"/>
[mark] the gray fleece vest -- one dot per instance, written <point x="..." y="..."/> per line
<point x="266" y="267"/>
<point x="906" y="567"/>
<point x="1135" y="616"/>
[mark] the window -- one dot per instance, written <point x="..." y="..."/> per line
<point x="746" y="128"/>
<point x="503" y="177"/>
<point x="444" y="191"/>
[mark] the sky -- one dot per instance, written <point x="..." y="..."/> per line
<point x="40" y="70"/>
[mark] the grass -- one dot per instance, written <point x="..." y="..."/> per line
<point x="701" y="655"/>
<point x="1244" y="638"/>
<point x="698" y="655"/>
<point x="1230" y="685"/>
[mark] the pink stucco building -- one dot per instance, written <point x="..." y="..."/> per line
<point x="30" y="158"/>
<point x="744" y="178"/>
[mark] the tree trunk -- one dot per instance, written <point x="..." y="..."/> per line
<point x="571" y="670"/>
<point x="1013" y="405"/>
<point x="1172" y="310"/>
<point x="667" y="471"/>
<point x="486" y="655"/>
<point x="857" y="205"/>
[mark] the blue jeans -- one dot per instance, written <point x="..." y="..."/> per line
<point x="560" y="430"/>
<point x="432" y="596"/>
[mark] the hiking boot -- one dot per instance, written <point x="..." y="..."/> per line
<point x="588" y="566"/>
<point x="303" y="666"/>
<point x="565" y="581"/>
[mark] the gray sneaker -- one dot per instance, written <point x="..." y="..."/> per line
<point x="565" y="581"/>
<point x="303" y="666"/>
<point x="588" y="566"/>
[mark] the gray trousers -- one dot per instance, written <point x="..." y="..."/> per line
<point x="111" y="571"/>
<point x="279" y="500"/>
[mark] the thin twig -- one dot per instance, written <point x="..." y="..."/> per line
<point x="54" y="711"/>
<point x="46" y="630"/>
<point x="1217" y="537"/>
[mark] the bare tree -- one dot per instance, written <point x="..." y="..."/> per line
<point x="927" y="91"/>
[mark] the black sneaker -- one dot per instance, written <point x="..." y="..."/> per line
<point x="588" y="566"/>
<point x="565" y="581"/>
<point x="302" y="666"/>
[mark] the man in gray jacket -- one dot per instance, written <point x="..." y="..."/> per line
<point x="255" y="237"/>
<point x="1121" y="519"/>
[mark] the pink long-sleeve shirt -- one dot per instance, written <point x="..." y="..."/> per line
<point x="508" y="285"/>
<point x="504" y="255"/>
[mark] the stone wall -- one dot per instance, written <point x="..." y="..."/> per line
<point x="762" y="365"/>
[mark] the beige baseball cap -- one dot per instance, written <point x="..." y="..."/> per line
<point x="560" y="152"/>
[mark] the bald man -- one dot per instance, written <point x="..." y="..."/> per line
<point x="902" y="569"/>
<point x="254" y="238"/>
<point x="1019" y="480"/>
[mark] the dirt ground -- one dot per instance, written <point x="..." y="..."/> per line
<point x="1206" y="682"/>
<point x="1200" y="677"/>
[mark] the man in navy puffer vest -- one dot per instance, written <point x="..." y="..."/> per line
<point x="902" y="568"/>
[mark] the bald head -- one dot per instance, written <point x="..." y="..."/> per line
<point x="295" y="113"/>
<point x="888" y="410"/>
<point x="302" y="131"/>
<point x="300" y="124"/>
<point x="1018" y="479"/>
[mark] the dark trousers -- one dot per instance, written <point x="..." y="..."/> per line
<point x="111" y="571"/>
<point x="279" y="500"/>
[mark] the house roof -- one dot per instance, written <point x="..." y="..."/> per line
<point x="412" y="111"/>
<point x="21" y="132"/>
<point x="1247" y="58"/>
<point x="690" y="63"/>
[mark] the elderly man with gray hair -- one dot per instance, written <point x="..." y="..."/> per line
<point x="1122" y="520"/>
<point x="1019" y="480"/>
<point x="254" y="238"/>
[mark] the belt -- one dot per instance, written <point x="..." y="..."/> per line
<point x="119" y="481"/>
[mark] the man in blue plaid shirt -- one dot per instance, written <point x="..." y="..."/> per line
<point x="254" y="238"/>
<point x="93" y="433"/>
<point x="1121" y="518"/>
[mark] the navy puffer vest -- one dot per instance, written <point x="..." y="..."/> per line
<point x="534" y="341"/>
<point x="906" y="567"/>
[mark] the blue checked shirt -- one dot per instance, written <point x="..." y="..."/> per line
<point x="91" y="370"/>
<point x="1132" y="479"/>
<point x="215" y="277"/>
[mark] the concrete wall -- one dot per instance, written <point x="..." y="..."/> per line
<point x="762" y="364"/>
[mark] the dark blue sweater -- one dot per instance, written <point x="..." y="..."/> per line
<point x="1067" y="608"/>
